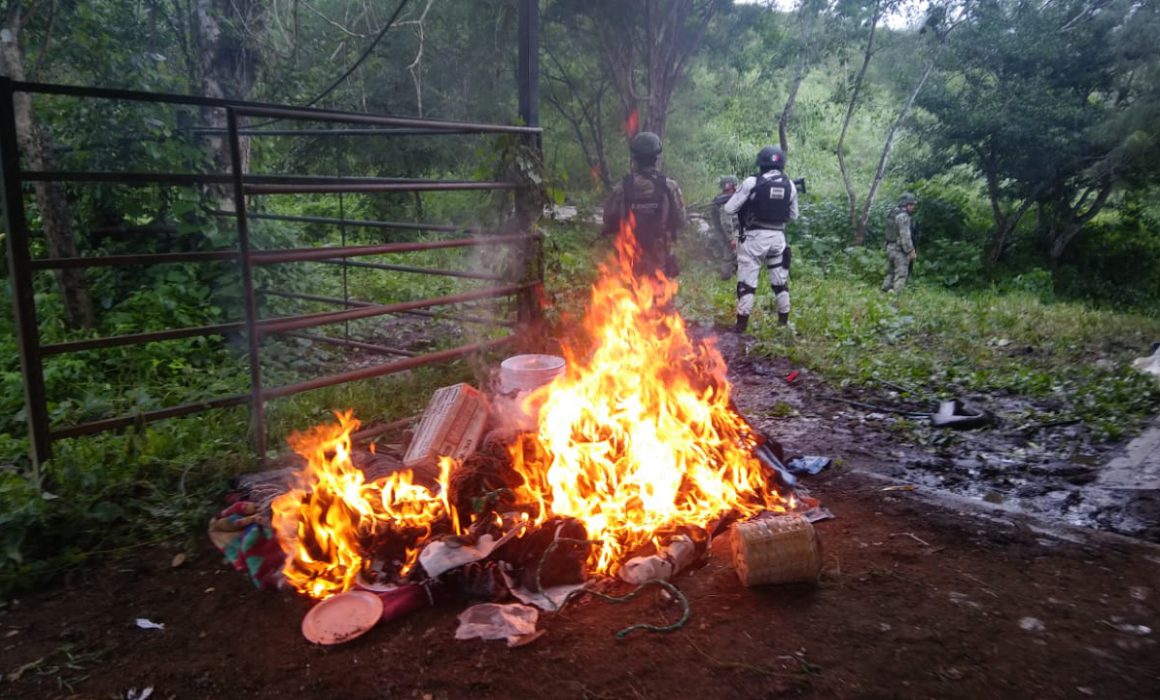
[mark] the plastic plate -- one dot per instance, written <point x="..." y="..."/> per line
<point x="342" y="618"/>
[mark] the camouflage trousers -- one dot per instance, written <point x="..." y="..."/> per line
<point x="897" y="268"/>
<point x="726" y="260"/>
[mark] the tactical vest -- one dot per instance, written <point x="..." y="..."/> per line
<point x="768" y="204"/>
<point x="650" y="208"/>
<point x="891" y="235"/>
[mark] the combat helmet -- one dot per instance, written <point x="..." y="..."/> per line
<point x="907" y="198"/>
<point x="646" y="144"/>
<point x="769" y="158"/>
<point x="727" y="181"/>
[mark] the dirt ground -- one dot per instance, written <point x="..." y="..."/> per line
<point x="925" y="593"/>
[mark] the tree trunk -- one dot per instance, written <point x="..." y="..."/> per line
<point x="1004" y="226"/>
<point x="798" y="76"/>
<point x="880" y="171"/>
<point x="227" y="66"/>
<point x="1073" y="221"/>
<point x="51" y="199"/>
<point x="787" y="111"/>
<point x="1004" y="223"/>
<point x="664" y="35"/>
<point x="867" y="54"/>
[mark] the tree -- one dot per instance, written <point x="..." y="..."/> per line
<point x="810" y="14"/>
<point x="226" y="37"/>
<point x="1050" y="104"/>
<point x="51" y="200"/>
<point x="576" y="88"/>
<point x="645" y="46"/>
<point x="935" y="30"/>
<point x="876" y="9"/>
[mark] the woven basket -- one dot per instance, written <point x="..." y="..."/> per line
<point x="776" y="550"/>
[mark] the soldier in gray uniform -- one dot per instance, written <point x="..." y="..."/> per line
<point x="726" y="228"/>
<point x="899" y="243"/>
<point x="765" y="203"/>
<point x="656" y="204"/>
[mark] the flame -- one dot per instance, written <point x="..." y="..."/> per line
<point x="632" y="122"/>
<point x="641" y="436"/>
<point x="594" y="173"/>
<point x="638" y="437"/>
<point x="327" y="526"/>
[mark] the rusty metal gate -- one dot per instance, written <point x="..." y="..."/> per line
<point x="245" y="188"/>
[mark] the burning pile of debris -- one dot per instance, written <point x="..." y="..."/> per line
<point x="618" y="462"/>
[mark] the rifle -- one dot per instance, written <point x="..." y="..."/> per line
<point x="914" y="243"/>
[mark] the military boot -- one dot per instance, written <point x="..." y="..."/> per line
<point x="783" y="318"/>
<point x="742" y="324"/>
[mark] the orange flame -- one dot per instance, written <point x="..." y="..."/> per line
<point x="632" y="122"/>
<point x="594" y="173"/>
<point x="640" y="436"/>
<point x="327" y="526"/>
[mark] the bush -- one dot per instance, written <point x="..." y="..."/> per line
<point x="1116" y="262"/>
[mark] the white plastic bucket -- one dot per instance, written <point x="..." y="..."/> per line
<point x="522" y="373"/>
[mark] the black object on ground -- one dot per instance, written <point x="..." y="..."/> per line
<point x="960" y="416"/>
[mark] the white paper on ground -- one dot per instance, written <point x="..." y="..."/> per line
<point x="1150" y="364"/>
<point x="662" y="566"/>
<point x="495" y="621"/>
<point x="651" y="568"/>
<point x="439" y="556"/>
<point x="149" y="624"/>
<point x="551" y="599"/>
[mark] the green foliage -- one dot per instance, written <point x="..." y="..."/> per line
<point x="114" y="492"/>
<point x="1119" y="262"/>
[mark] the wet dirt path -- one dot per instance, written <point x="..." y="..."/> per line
<point x="1052" y="473"/>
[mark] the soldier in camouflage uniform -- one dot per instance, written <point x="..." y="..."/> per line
<point x="726" y="228"/>
<point x="657" y="206"/>
<point x="899" y="243"/>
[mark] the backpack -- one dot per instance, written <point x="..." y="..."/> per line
<point x="651" y="210"/>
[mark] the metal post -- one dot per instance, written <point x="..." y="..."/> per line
<point x="528" y="203"/>
<point x="339" y="152"/>
<point x="20" y="274"/>
<point x="257" y="407"/>
<point x="529" y="62"/>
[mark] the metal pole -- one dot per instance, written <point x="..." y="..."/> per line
<point x="529" y="62"/>
<point x="20" y="273"/>
<point x="265" y="109"/>
<point x="528" y="203"/>
<point x="257" y="408"/>
<point x="338" y="157"/>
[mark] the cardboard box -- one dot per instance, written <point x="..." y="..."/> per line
<point x="451" y="426"/>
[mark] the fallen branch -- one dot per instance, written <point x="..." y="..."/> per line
<point x="872" y="407"/>
<point x="741" y="666"/>
<point x="1032" y="427"/>
<point x="912" y="536"/>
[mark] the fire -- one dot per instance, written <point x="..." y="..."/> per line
<point x="636" y="439"/>
<point x="329" y="526"/>
<point x="640" y="437"/>
<point x="632" y="122"/>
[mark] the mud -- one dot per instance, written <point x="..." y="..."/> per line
<point x="1044" y="471"/>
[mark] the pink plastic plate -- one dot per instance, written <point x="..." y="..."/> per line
<point x="342" y="618"/>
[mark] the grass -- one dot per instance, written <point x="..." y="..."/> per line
<point x="946" y="344"/>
